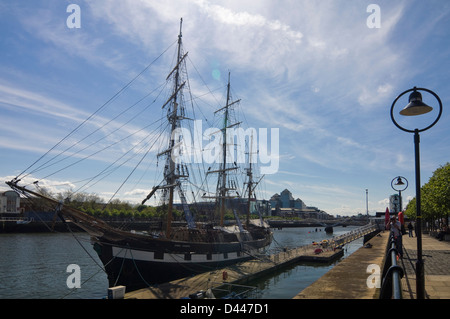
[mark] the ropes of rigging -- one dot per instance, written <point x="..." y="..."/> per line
<point x="115" y="96"/>
<point x="42" y="167"/>
<point x="122" y="160"/>
<point x="105" y="171"/>
<point x="137" y="165"/>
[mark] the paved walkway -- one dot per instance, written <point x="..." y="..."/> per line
<point x="348" y="278"/>
<point x="436" y="256"/>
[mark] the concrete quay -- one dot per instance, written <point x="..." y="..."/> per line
<point x="348" y="279"/>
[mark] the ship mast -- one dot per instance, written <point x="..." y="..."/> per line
<point x="223" y="173"/>
<point x="250" y="180"/>
<point x="169" y="171"/>
<point x="222" y="188"/>
<point x="174" y="172"/>
<point x="251" y="184"/>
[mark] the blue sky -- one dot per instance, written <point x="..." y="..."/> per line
<point x="312" y="69"/>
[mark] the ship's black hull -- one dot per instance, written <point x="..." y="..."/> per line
<point x="139" y="267"/>
<point x="137" y="274"/>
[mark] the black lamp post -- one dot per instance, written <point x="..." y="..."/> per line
<point x="417" y="107"/>
<point x="401" y="186"/>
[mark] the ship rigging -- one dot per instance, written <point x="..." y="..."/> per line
<point x="138" y="259"/>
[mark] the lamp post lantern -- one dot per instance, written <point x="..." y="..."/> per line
<point x="400" y="187"/>
<point x="417" y="107"/>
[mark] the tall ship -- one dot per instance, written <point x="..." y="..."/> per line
<point x="179" y="248"/>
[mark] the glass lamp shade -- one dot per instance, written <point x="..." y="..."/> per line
<point x="399" y="181"/>
<point x="415" y="105"/>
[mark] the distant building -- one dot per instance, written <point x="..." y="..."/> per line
<point x="275" y="202"/>
<point x="9" y="202"/>
<point x="263" y="206"/>
<point x="285" y="205"/>
<point x="240" y="204"/>
<point x="286" y="200"/>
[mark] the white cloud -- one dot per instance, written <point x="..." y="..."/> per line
<point x="52" y="185"/>
<point x="138" y="192"/>
<point x="246" y="19"/>
<point x="38" y="103"/>
<point x="383" y="203"/>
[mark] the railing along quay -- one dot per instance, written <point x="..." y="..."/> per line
<point x="354" y="234"/>
<point x="391" y="287"/>
<point x="326" y="245"/>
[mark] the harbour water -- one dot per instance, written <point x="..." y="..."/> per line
<point x="287" y="283"/>
<point x="35" y="266"/>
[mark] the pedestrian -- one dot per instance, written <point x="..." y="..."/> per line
<point x="442" y="233"/>
<point x="395" y="227"/>
<point x="410" y="229"/>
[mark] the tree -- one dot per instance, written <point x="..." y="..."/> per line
<point x="439" y="190"/>
<point x="410" y="210"/>
<point x="435" y="196"/>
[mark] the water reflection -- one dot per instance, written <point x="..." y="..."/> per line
<point x="287" y="283"/>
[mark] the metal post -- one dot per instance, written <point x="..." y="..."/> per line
<point x="417" y="107"/>
<point x="367" y="202"/>
<point x="420" y="278"/>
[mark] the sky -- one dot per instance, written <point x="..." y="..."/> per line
<point x="324" y="73"/>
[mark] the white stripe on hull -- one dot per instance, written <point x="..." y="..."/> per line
<point x="177" y="258"/>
